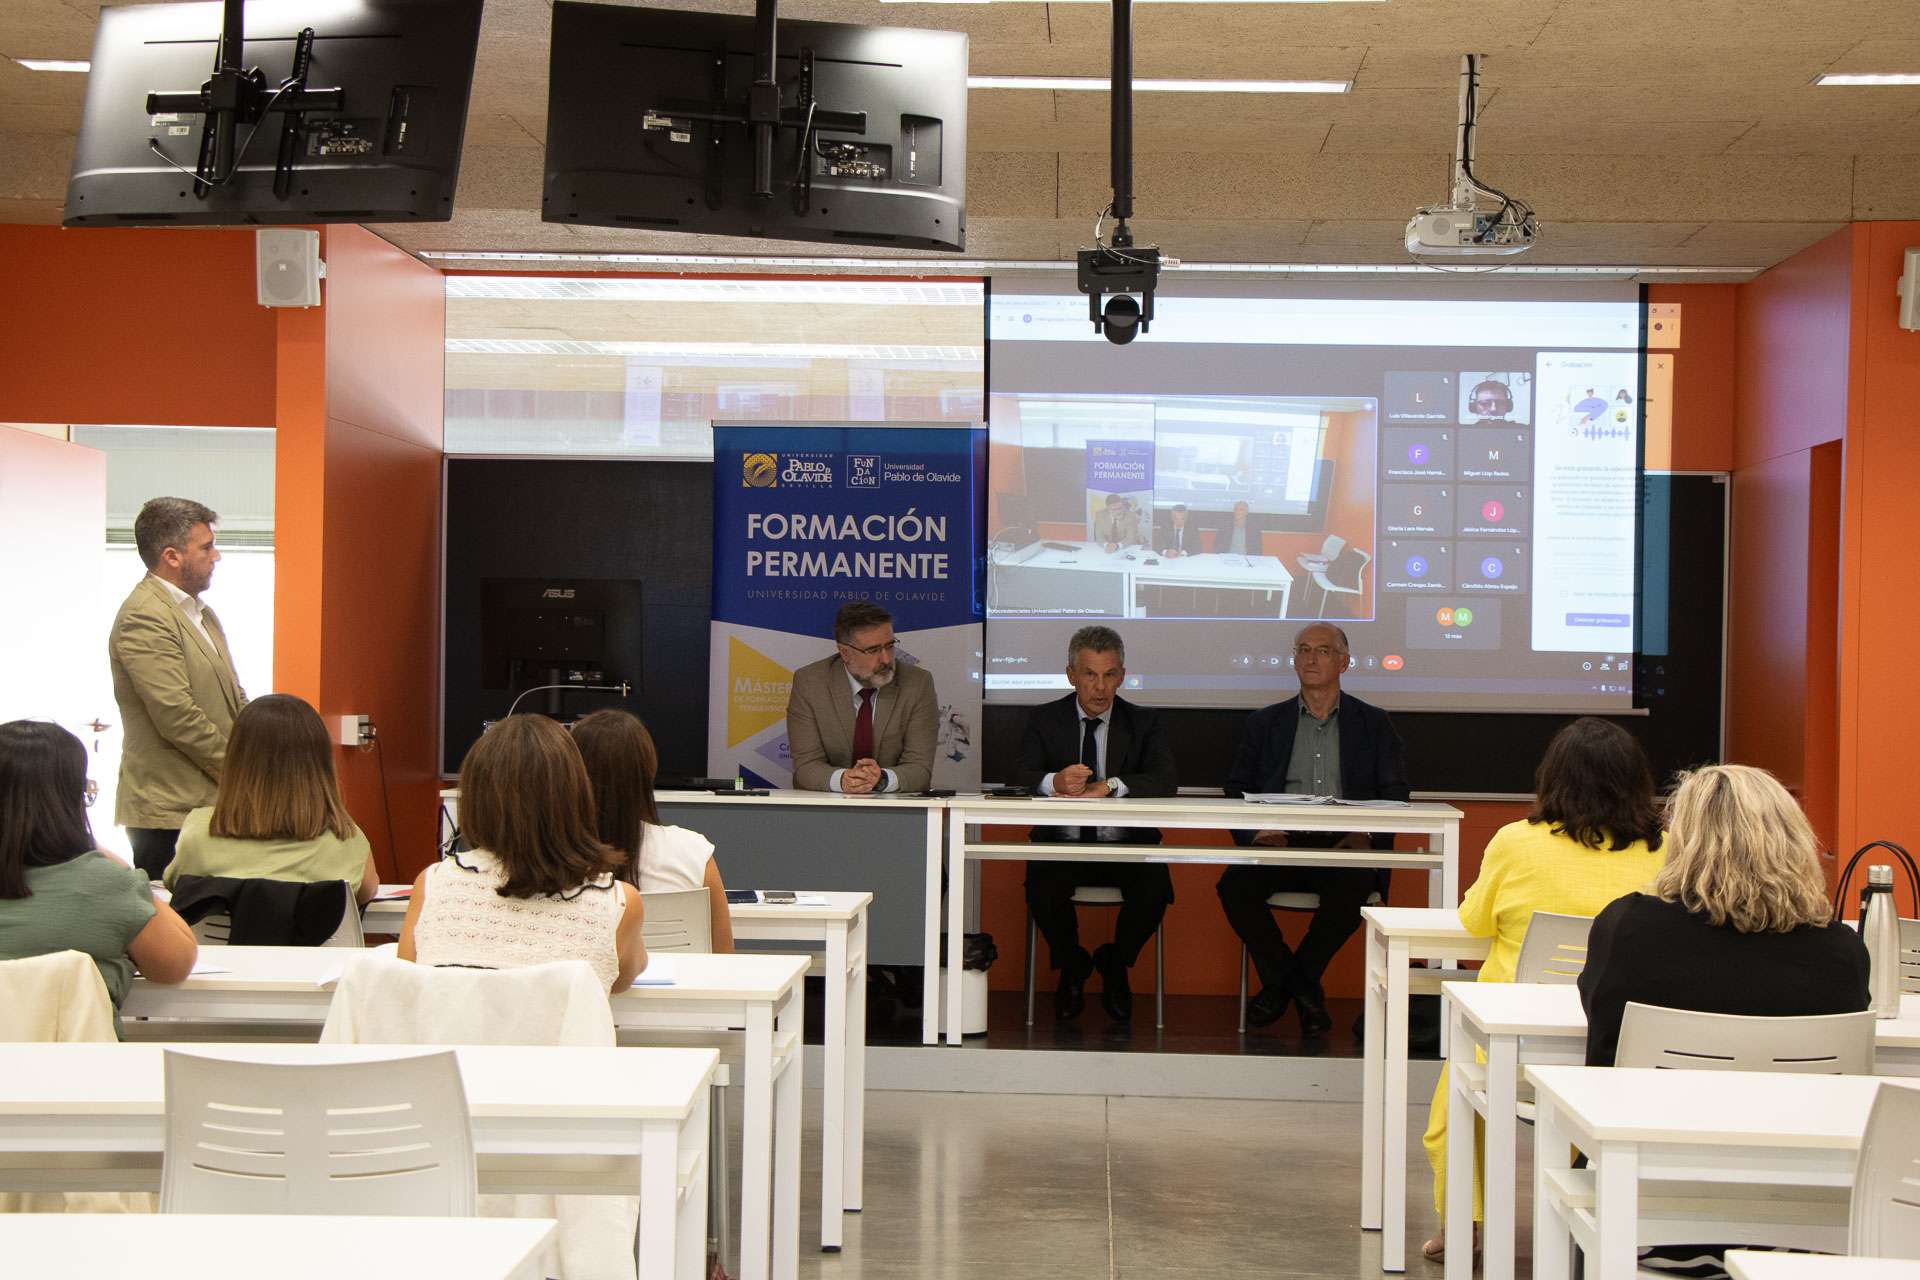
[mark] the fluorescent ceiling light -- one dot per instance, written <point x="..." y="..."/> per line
<point x="53" y="64"/>
<point x="1099" y="84"/>
<point x="1135" y="1"/>
<point x="1832" y="78"/>
<point x="985" y="266"/>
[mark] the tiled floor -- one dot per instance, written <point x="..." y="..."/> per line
<point x="973" y="1186"/>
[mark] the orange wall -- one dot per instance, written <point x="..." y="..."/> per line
<point x="119" y="326"/>
<point x="1703" y="375"/>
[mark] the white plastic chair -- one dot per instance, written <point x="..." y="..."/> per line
<point x="1910" y="955"/>
<point x="1311" y="560"/>
<point x="216" y="929"/>
<point x="1353" y="558"/>
<point x="1089" y="895"/>
<point x="386" y="1138"/>
<point x="1884" y="1217"/>
<point x="1821" y="1044"/>
<point x="680" y="920"/>
<point x="1554" y="949"/>
<point x="1283" y="902"/>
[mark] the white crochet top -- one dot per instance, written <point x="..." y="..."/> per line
<point x="466" y="922"/>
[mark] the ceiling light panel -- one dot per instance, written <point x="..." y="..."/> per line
<point x="1100" y="84"/>
<point x="54" y="64"/>
<point x="1846" y="79"/>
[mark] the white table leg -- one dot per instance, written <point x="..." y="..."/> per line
<point x="786" y="1139"/>
<point x="690" y="1239"/>
<point x="1616" y="1210"/>
<point x="655" y="1250"/>
<point x="1552" y="1254"/>
<point x="833" y="1092"/>
<point x="1503" y="1094"/>
<point x="1393" y="1248"/>
<point x="930" y="959"/>
<point x="756" y="1146"/>
<point x="1450" y="864"/>
<point x="1373" y="1078"/>
<point x="852" y="1191"/>
<point x="1460" y="1125"/>
<point x="956" y="921"/>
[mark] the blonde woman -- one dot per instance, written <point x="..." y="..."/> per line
<point x="1736" y="922"/>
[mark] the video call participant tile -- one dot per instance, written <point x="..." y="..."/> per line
<point x="1502" y="510"/>
<point x="1417" y="508"/>
<point x="1420" y="397"/>
<point x="1417" y="453"/>
<point x="1495" y="453"/>
<point x="1446" y="622"/>
<point x="1415" y="564"/>
<point x="1496" y="397"/>
<point x="1493" y="568"/>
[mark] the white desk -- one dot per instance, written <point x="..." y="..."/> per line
<point x="1745" y="1264"/>
<point x="841" y="928"/>
<point x="233" y="1246"/>
<point x="92" y="1117"/>
<point x="763" y="994"/>
<point x="1526" y="1024"/>
<point x="1724" y="1127"/>
<point x="1131" y="567"/>
<point x="1439" y="822"/>
<point x="1397" y="936"/>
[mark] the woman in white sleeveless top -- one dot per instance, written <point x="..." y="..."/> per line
<point x="538" y="885"/>
<point x="622" y="761"/>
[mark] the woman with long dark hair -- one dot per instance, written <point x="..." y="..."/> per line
<point x="58" y="891"/>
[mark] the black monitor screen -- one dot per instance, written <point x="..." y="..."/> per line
<point x="632" y="139"/>
<point x="539" y="631"/>
<point x="391" y="153"/>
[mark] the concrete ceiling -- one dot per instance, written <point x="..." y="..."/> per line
<point x="1643" y="131"/>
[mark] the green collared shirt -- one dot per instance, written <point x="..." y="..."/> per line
<point x="1314" y="768"/>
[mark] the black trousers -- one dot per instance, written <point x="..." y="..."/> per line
<point x="1343" y="891"/>
<point x="153" y="848"/>
<point x="1145" y="891"/>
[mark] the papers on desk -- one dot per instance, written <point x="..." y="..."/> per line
<point x="660" y="971"/>
<point x="1284" y="798"/>
<point x="203" y="967"/>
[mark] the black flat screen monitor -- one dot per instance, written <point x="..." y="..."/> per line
<point x="390" y="154"/>
<point x="627" y="147"/>
<point x="536" y="631"/>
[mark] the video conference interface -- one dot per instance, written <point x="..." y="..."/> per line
<point x="1452" y="482"/>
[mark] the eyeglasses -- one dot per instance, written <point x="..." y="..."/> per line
<point x="872" y="650"/>
<point x="1314" y="651"/>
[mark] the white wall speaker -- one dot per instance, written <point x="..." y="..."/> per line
<point x="1910" y="292"/>
<point x="287" y="267"/>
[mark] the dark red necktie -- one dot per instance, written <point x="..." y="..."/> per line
<point x="863" y="728"/>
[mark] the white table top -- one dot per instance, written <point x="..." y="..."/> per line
<point x="744" y="976"/>
<point x="1533" y="1008"/>
<point x="501" y="1080"/>
<point x="1203" y="811"/>
<point x="1749" y="1264"/>
<point x="1721" y="1108"/>
<point x="187" y="1246"/>
<point x="839" y="906"/>
<point x="1419" y="922"/>
<point x="780" y="796"/>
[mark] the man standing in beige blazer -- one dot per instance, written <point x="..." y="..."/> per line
<point x="859" y="722"/>
<point x="174" y="680"/>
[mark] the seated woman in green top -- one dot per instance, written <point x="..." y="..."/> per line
<point x="58" y="891"/>
<point x="277" y="814"/>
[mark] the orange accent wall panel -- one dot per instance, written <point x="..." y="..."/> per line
<point x="383" y="372"/>
<point x="1767" y="595"/>
<point x="128" y="326"/>
<point x="1792" y="327"/>
<point x="1703" y="375"/>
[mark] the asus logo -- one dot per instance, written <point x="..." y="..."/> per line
<point x="557" y="593"/>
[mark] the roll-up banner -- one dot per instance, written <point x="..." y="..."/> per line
<point x="807" y="516"/>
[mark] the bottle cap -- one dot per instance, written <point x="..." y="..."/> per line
<point x="1880" y="874"/>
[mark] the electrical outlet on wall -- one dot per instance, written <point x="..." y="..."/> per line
<point x="353" y="731"/>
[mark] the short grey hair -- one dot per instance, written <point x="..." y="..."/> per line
<point x="1327" y="626"/>
<point x="166" y="522"/>
<point x="1098" y="639"/>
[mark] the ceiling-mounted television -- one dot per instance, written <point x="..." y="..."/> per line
<point x="717" y="124"/>
<point x="326" y="111"/>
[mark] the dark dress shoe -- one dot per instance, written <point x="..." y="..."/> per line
<point x="1116" y="995"/>
<point x="1314" y="1018"/>
<point x="1265" y="1009"/>
<point x="1070" y="997"/>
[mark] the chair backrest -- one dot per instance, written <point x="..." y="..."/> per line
<point x="1821" y="1044"/>
<point x="216" y="928"/>
<point x="1910" y="955"/>
<point x="59" y="996"/>
<point x="1332" y="546"/>
<point x="680" y="920"/>
<point x="387" y="1138"/>
<point x="1885" y="1216"/>
<point x="213" y="929"/>
<point x="1344" y="572"/>
<point x="1555" y="948"/>
<point x="381" y="1000"/>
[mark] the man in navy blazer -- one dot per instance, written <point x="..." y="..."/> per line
<point x="1319" y="742"/>
<point x="1095" y="744"/>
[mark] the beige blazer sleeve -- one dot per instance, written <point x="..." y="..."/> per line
<point x="905" y="741"/>
<point x="178" y="697"/>
<point x="817" y="740"/>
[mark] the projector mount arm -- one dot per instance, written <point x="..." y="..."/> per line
<point x="232" y="97"/>
<point x="1117" y="266"/>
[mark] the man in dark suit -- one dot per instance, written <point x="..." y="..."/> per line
<point x="1321" y="742"/>
<point x="1094" y="744"/>
<point x="1181" y="536"/>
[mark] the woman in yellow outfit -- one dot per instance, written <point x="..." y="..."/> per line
<point x="1593" y="836"/>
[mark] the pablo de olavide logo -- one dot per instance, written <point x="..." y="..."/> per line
<point x="806" y="468"/>
<point x="759" y="470"/>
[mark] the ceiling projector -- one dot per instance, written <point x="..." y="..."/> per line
<point x="1479" y="220"/>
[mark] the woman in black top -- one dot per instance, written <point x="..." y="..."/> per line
<point x="1738" y="920"/>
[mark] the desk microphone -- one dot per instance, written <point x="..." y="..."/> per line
<point x="623" y="689"/>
